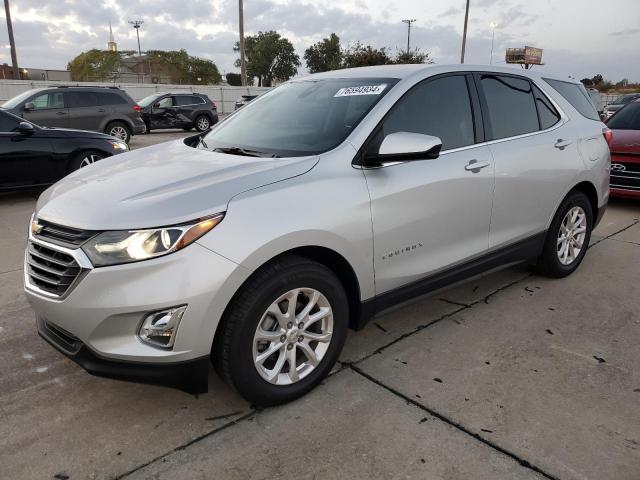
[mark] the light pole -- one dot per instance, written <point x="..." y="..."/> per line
<point x="14" y="57"/>
<point x="137" y="24"/>
<point x="408" y="22"/>
<point x="493" y="25"/>
<point x="243" y="65"/>
<point x="464" y="32"/>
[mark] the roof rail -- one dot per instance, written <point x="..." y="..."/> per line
<point x="84" y="86"/>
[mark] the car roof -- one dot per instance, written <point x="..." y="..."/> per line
<point x="408" y="70"/>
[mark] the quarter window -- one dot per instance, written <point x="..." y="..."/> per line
<point x="549" y="116"/>
<point x="511" y="106"/>
<point x="439" y="107"/>
<point x="577" y="96"/>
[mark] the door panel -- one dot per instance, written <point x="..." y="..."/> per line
<point x="430" y="214"/>
<point x="25" y="160"/>
<point x="163" y="115"/>
<point x="84" y="111"/>
<point x="49" y="111"/>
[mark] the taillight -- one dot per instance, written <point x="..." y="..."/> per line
<point x="136" y="107"/>
<point x="608" y="135"/>
<point x="215" y="107"/>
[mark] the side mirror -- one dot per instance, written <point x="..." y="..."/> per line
<point x="25" y="128"/>
<point x="404" y="146"/>
<point x="29" y="106"/>
<point x="156" y="105"/>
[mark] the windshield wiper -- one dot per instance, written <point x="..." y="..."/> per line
<point x="245" y="152"/>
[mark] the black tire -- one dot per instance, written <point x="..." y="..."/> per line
<point x="85" y="158"/>
<point x="232" y="353"/>
<point x="202" y="123"/>
<point x="549" y="263"/>
<point x="119" y="130"/>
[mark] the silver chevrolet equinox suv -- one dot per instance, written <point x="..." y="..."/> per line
<point x="314" y="207"/>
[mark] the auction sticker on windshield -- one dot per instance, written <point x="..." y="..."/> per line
<point x="361" y="90"/>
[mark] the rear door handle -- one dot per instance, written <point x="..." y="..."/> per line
<point x="61" y="113"/>
<point x="475" y="166"/>
<point x="101" y="110"/>
<point x="561" y="144"/>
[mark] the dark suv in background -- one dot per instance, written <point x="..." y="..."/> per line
<point x="184" y="110"/>
<point x="101" y="109"/>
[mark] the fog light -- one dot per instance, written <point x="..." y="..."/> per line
<point x="159" y="328"/>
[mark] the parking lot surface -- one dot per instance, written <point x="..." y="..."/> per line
<point x="509" y="375"/>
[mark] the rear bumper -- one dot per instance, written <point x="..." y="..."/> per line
<point x="190" y="376"/>
<point x="622" y="193"/>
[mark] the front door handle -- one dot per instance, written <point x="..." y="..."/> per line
<point x="475" y="166"/>
<point x="61" y="113"/>
<point x="561" y="144"/>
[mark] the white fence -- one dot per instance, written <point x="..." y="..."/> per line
<point x="225" y="96"/>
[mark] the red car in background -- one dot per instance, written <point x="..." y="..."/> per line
<point x="625" y="151"/>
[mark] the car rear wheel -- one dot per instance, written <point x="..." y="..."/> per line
<point x="202" y="123"/>
<point x="568" y="237"/>
<point x="84" y="159"/>
<point x="119" y="130"/>
<point x="283" y="331"/>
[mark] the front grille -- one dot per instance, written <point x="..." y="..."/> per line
<point x="61" y="235"/>
<point x="625" y="175"/>
<point x="51" y="270"/>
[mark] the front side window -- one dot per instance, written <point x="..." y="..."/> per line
<point x="577" y="96"/>
<point x="511" y="106"/>
<point x="440" y="107"/>
<point x="48" y="100"/>
<point x="304" y="117"/>
<point x="166" y="102"/>
<point x="626" y="119"/>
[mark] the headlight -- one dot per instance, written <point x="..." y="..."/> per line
<point x="118" y="145"/>
<point x="125" y="246"/>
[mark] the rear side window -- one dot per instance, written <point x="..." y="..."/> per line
<point x="81" y="99"/>
<point x="626" y="119"/>
<point x="439" y="107"/>
<point x="510" y="104"/>
<point x="110" y="98"/>
<point x="549" y="116"/>
<point x="577" y="96"/>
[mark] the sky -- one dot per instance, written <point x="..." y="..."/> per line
<point x="578" y="39"/>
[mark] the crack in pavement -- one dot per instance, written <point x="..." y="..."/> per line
<point x="455" y="425"/>
<point x="614" y="233"/>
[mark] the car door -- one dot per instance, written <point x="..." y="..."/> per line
<point x="47" y="110"/>
<point x="163" y="114"/>
<point x="85" y="112"/>
<point x="535" y="156"/>
<point x="25" y="159"/>
<point x="431" y="214"/>
<point x="185" y="107"/>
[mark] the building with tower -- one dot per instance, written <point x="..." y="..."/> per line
<point x="111" y="44"/>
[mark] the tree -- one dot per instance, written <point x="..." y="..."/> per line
<point x="412" y="56"/>
<point x="324" y="55"/>
<point x="365" y="55"/>
<point x="587" y="82"/>
<point x="190" y="70"/>
<point x="596" y="79"/>
<point x="234" y="79"/>
<point x="96" y="65"/>
<point x="269" y="57"/>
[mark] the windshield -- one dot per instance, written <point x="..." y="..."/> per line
<point x="17" y="100"/>
<point x="300" y="118"/>
<point x="626" y="119"/>
<point x="146" y="101"/>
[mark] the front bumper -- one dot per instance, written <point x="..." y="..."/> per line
<point x="104" y="309"/>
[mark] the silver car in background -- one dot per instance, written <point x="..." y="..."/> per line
<point x="308" y="211"/>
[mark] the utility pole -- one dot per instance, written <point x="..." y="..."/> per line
<point x="464" y="32"/>
<point x="137" y="24"/>
<point x="243" y="65"/>
<point x="408" y="22"/>
<point x="12" y="42"/>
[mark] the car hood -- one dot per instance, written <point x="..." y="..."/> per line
<point x="162" y="185"/>
<point x="70" y="133"/>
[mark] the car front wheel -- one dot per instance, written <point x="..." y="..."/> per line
<point x="283" y="331"/>
<point x="568" y="237"/>
<point x="84" y="159"/>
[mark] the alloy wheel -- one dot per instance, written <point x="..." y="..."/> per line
<point x="203" y="124"/>
<point x="89" y="159"/>
<point x="118" y="132"/>
<point x="571" y="236"/>
<point x="293" y="336"/>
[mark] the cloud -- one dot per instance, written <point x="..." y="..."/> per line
<point x="625" y="33"/>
